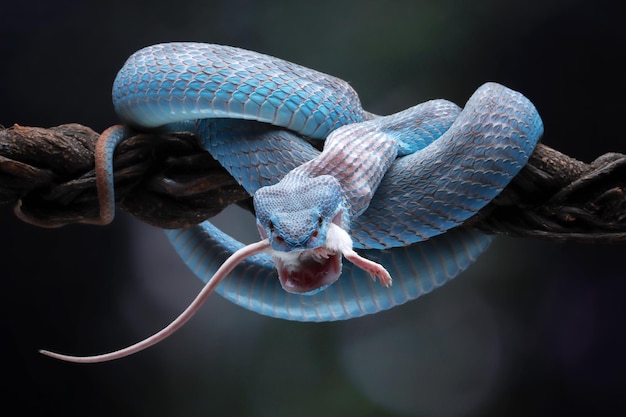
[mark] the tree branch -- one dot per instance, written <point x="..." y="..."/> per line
<point x="168" y="181"/>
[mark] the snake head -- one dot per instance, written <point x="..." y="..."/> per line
<point x="302" y="218"/>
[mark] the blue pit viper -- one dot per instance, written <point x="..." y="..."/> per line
<point x="398" y="188"/>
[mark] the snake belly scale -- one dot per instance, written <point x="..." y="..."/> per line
<point x="398" y="188"/>
<point x="442" y="163"/>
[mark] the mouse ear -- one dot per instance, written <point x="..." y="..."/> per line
<point x="194" y="306"/>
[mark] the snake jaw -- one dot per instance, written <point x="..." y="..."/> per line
<point x="307" y="272"/>
<point x="310" y="271"/>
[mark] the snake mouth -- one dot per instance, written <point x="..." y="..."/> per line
<point x="308" y="272"/>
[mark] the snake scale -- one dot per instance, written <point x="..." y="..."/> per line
<point x="396" y="188"/>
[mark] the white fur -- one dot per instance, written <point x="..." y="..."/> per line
<point x="290" y="260"/>
<point x="337" y="241"/>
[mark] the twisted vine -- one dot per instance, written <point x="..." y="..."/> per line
<point x="169" y="181"/>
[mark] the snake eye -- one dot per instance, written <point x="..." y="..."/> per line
<point x="270" y="226"/>
<point x="320" y="222"/>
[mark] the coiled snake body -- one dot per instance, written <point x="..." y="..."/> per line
<point x="397" y="188"/>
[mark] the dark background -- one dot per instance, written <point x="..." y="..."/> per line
<point x="533" y="328"/>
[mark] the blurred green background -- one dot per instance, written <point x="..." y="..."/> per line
<point x="533" y="328"/>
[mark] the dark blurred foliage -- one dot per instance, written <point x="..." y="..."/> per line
<point x="533" y="328"/>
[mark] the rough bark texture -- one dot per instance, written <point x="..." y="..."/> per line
<point x="167" y="180"/>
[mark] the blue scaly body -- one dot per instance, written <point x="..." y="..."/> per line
<point x="398" y="187"/>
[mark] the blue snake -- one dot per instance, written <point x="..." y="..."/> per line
<point x="396" y="188"/>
